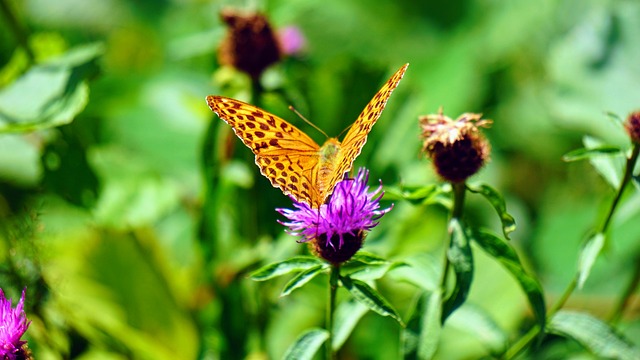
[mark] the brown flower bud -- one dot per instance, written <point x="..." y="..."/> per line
<point x="24" y="353"/>
<point x="632" y="126"/>
<point x="457" y="148"/>
<point x="250" y="44"/>
<point x="337" y="254"/>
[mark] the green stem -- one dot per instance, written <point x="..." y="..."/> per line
<point x="459" y="190"/>
<point x="628" y="172"/>
<point x="526" y="340"/>
<point x="565" y="296"/>
<point x="522" y="343"/>
<point x="624" y="300"/>
<point x="21" y="34"/>
<point x="256" y="92"/>
<point x="209" y="168"/>
<point x="331" y="307"/>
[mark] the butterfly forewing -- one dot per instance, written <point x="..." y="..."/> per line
<point x="285" y="155"/>
<point x="356" y="137"/>
<point x="289" y="158"/>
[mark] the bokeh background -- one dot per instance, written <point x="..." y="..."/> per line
<point x="133" y="215"/>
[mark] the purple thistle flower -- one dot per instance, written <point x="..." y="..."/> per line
<point x="292" y="41"/>
<point x="13" y="324"/>
<point x="338" y="227"/>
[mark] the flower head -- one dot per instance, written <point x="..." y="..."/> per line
<point x="457" y="147"/>
<point x="250" y="45"/>
<point x="632" y="126"/>
<point x="336" y="230"/>
<point x="292" y="41"/>
<point x="13" y="324"/>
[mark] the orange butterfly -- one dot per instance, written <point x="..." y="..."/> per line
<point x="289" y="158"/>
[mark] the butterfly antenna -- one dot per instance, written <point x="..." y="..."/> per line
<point x="343" y="131"/>
<point x="307" y="121"/>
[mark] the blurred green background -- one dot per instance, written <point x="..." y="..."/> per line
<point x="133" y="215"/>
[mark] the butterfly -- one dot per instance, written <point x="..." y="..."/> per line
<point x="288" y="157"/>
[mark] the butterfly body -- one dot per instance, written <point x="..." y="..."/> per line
<point x="288" y="157"/>
<point x="328" y="158"/>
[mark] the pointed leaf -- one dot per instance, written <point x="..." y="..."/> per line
<point x="496" y="200"/>
<point x="425" y="195"/>
<point x="49" y="94"/>
<point x="276" y="269"/>
<point x="306" y="345"/>
<point x="461" y="259"/>
<point x="369" y="266"/>
<point x="594" y="335"/>
<point x="423" y="270"/>
<point x="614" y="117"/>
<point x="503" y="253"/>
<point x="370" y="297"/>
<point x="368" y="258"/>
<point x="346" y="317"/>
<point x="301" y="279"/>
<point x="417" y="194"/>
<point x="373" y="272"/>
<point x="610" y="167"/>
<point x="476" y="321"/>
<point x="584" y="153"/>
<point x="422" y="335"/>
<point x="588" y="256"/>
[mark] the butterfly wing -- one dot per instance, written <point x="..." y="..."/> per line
<point x="285" y="155"/>
<point x="356" y="137"/>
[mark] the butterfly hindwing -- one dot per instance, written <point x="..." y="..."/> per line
<point x="289" y="158"/>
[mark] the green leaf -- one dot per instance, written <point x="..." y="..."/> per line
<point x="588" y="256"/>
<point x="615" y="117"/>
<point x="477" y="322"/>
<point x="423" y="270"/>
<point x="506" y="255"/>
<point x="422" y="335"/>
<point x="461" y="259"/>
<point x="594" y="335"/>
<point x="368" y="266"/>
<point x="370" y="297"/>
<point x="425" y="195"/>
<point x="496" y="200"/>
<point x="373" y="272"/>
<point x="611" y="167"/>
<point x="368" y="258"/>
<point x="49" y="94"/>
<point x="306" y="345"/>
<point x="346" y="317"/>
<point x="301" y="279"/>
<point x="584" y="153"/>
<point x="417" y="194"/>
<point x="297" y="263"/>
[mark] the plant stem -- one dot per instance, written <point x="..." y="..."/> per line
<point x="526" y="340"/>
<point x="459" y="190"/>
<point x="624" y="300"/>
<point x="522" y="343"/>
<point x="565" y="296"/>
<point x="256" y="92"/>
<point x="628" y="172"/>
<point x="331" y="307"/>
<point x="18" y="30"/>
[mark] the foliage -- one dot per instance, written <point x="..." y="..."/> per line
<point x="141" y="227"/>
